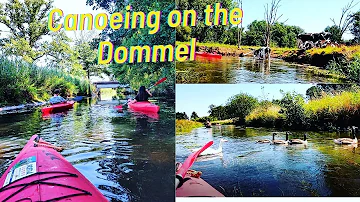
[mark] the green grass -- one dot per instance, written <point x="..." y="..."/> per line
<point x="21" y="82"/>
<point x="348" y="51"/>
<point x="325" y="113"/>
<point x="223" y="122"/>
<point x="186" y="126"/>
<point x="264" y="115"/>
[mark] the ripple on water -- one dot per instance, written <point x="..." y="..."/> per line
<point x="115" y="151"/>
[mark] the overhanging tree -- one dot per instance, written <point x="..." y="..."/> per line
<point x="27" y="21"/>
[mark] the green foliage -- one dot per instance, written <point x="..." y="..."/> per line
<point x="27" y="21"/>
<point x="255" y="34"/>
<point x="202" y="32"/>
<point x="239" y="106"/>
<point x="351" y="69"/>
<point x="183" y="33"/>
<point x="265" y="115"/>
<point x="22" y="82"/>
<point x="142" y="74"/>
<point x="282" y="35"/>
<point x="60" y="53"/>
<point x="355" y="28"/>
<point x="332" y="111"/>
<point x="313" y="92"/>
<point x="194" y="116"/>
<point x="186" y="126"/>
<point x="292" y="108"/>
<point x="335" y="33"/>
<point x="182" y="115"/>
<point x="331" y="107"/>
<point x="218" y="112"/>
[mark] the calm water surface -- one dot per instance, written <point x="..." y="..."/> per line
<point x="122" y="154"/>
<point x="247" y="168"/>
<point x="243" y="70"/>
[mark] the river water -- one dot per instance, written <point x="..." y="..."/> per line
<point x="247" y="168"/>
<point x="122" y="153"/>
<point x="243" y="70"/>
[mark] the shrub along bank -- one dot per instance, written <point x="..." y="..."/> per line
<point x="21" y="82"/>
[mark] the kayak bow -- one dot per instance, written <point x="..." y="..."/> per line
<point x="39" y="173"/>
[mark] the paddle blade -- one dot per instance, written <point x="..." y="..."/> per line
<point x="190" y="160"/>
<point x="160" y="81"/>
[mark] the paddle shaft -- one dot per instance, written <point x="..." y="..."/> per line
<point x="189" y="162"/>
<point x="157" y="83"/>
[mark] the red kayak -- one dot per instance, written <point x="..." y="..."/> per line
<point x="39" y="173"/>
<point x="197" y="187"/>
<point x="208" y="55"/>
<point x="144" y="106"/>
<point x="58" y="107"/>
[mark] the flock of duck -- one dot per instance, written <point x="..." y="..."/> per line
<point x="287" y="141"/>
<point x="340" y="141"/>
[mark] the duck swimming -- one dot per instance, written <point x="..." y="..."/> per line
<point x="211" y="151"/>
<point x="347" y="141"/>
<point x="280" y="142"/>
<point x="299" y="141"/>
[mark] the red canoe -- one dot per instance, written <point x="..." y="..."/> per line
<point x="144" y="106"/>
<point x="197" y="187"/>
<point x="39" y="173"/>
<point x="58" y="107"/>
<point x="208" y="55"/>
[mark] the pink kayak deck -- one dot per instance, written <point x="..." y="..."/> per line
<point x="197" y="187"/>
<point x="144" y="106"/>
<point x="42" y="174"/>
<point x="58" y="107"/>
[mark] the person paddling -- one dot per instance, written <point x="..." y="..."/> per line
<point x="56" y="99"/>
<point x="143" y="95"/>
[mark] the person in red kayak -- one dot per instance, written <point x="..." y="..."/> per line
<point x="143" y="95"/>
<point x="56" y="99"/>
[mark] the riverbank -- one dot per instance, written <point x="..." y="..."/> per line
<point x="329" y="62"/>
<point x="185" y="126"/>
<point x="22" y="83"/>
<point x="325" y="108"/>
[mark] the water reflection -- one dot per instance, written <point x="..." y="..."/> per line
<point x="120" y="153"/>
<point x="243" y="70"/>
<point x="247" y="168"/>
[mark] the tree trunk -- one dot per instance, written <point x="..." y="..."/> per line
<point x="88" y="77"/>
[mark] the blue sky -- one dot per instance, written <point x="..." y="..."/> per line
<point x="198" y="97"/>
<point x="311" y="15"/>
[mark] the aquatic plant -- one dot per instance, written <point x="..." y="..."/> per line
<point x="22" y="82"/>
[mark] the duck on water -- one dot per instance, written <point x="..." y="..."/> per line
<point x="348" y="141"/>
<point x="211" y="151"/>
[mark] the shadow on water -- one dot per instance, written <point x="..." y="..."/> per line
<point x="243" y="70"/>
<point x="247" y="168"/>
<point x="123" y="154"/>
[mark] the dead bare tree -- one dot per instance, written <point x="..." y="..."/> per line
<point x="346" y="17"/>
<point x="240" y="30"/>
<point x="271" y="17"/>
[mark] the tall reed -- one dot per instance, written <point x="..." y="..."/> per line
<point x="21" y="82"/>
